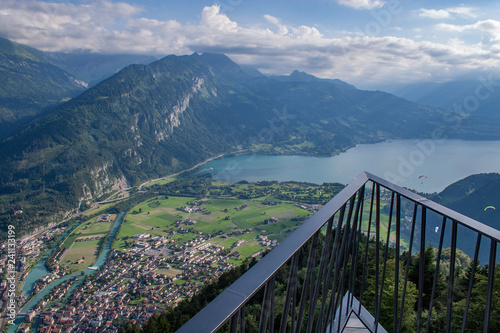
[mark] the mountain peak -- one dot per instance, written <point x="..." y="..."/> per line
<point x="221" y="62"/>
<point x="297" y="75"/>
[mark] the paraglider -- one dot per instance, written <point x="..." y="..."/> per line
<point x="489" y="207"/>
<point x="422" y="176"/>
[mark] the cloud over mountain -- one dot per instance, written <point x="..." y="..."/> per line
<point x="272" y="45"/>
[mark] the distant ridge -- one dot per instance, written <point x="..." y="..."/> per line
<point x="298" y="76"/>
<point x="29" y="85"/>
<point x="32" y="82"/>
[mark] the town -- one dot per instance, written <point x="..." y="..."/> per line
<point x="194" y="242"/>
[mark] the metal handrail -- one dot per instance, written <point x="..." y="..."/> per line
<point x="325" y="285"/>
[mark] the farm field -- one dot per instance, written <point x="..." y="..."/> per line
<point x="237" y="219"/>
<point x="89" y="228"/>
<point x="83" y="242"/>
<point x="87" y="250"/>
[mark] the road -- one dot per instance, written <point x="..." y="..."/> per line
<point x="178" y="173"/>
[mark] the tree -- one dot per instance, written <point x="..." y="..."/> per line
<point x="408" y="320"/>
<point x="429" y="270"/>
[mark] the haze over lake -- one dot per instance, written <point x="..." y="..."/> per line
<point x="403" y="162"/>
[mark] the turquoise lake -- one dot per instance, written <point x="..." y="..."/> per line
<point x="402" y="162"/>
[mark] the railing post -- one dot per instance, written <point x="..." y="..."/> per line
<point x="386" y="253"/>
<point x="309" y="276"/>
<point x="320" y="280"/>
<point x="267" y="306"/>
<point x="491" y="279"/>
<point x="408" y="265"/>
<point x="471" y="282"/>
<point x="363" y="279"/>
<point x="291" y="293"/>
<point x="436" y="273"/>
<point x="396" y="271"/>
<point x="421" y="269"/>
<point x="451" y="278"/>
<point x="377" y="254"/>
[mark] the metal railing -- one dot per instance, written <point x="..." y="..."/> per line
<point x="383" y="248"/>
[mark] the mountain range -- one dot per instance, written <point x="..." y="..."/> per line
<point x="147" y="121"/>
<point x="34" y="82"/>
<point x="476" y="100"/>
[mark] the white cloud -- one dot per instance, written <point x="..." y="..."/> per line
<point x="361" y="4"/>
<point x="489" y="28"/>
<point x="434" y="13"/>
<point x="212" y="19"/>
<point x="452" y="12"/>
<point x="62" y="26"/>
<point x="283" y="30"/>
<point x="362" y="60"/>
<point x="464" y="12"/>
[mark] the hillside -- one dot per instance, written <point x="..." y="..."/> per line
<point x="471" y="195"/>
<point x="30" y="85"/>
<point x="477" y="100"/>
<point x="148" y="121"/>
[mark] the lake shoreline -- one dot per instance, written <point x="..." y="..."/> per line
<point x="399" y="161"/>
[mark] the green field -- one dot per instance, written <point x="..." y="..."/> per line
<point x="171" y="272"/>
<point x="89" y="228"/>
<point x="236" y="218"/>
<point x="249" y="249"/>
<point x="179" y="282"/>
<point x="98" y="209"/>
<point x="78" y="250"/>
<point x="157" y="216"/>
<point x="162" y="181"/>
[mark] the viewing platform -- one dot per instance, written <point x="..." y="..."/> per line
<point x="375" y="258"/>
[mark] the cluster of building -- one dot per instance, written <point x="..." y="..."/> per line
<point x="28" y="249"/>
<point x="31" y="246"/>
<point x="152" y="274"/>
<point x="133" y="284"/>
<point x="185" y="221"/>
<point x="271" y="220"/>
<point x="55" y="295"/>
<point x="105" y="218"/>
<point x="264" y="241"/>
<point x="313" y="208"/>
<point x="193" y="209"/>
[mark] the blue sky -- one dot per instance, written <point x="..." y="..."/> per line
<point x="368" y="43"/>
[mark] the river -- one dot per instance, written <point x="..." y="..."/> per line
<point x="103" y="256"/>
<point x="423" y="165"/>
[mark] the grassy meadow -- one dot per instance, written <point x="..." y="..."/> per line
<point x="236" y="218"/>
